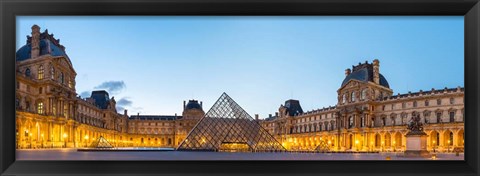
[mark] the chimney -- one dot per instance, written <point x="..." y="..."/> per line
<point x="376" y="71"/>
<point x="269" y="115"/>
<point x="184" y="105"/>
<point x="256" y="117"/>
<point x="276" y="114"/>
<point x="201" y="104"/>
<point x="138" y="115"/>
<point x="35" y="42"/>
<point x="347" y="72"/>
<point x="125" y="112"/>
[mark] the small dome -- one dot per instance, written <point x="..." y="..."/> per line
<point x="193" y="104"/>
<point x="48" y="45"/>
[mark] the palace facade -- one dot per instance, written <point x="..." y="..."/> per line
<point x="49" y="114"/>
<point x="369" y="117"/>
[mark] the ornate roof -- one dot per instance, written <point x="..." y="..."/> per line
<point x="193" y="104"/>
<point x="293" y="107"/>
<point x="364" y="73"/>
<point x="48" y="45"/>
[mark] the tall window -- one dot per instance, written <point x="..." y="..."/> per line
<point x="452" y="116"/>
<point x="350" y="123"/>
<point x="439" y="101"/>
<point x="41" y="72"/>
<point x="52" y="72"/>
<point x="70" y="83"/>
<point x="439" y="117"/>
<point x="383" y="121"/>
<point x="344" y="98"/>
<point x="352" y="97"/>
<point x="452" y="101"/>
<point x="415" y="104"/>
<point x="363" y="95"/>
<point x="363" y="122"/>
<point x="62" y="78"/>
<point x="404" y="105"/>
<point x="65" y="111"/>
<point x="40" y="108"/>
<point x="404" y="118"/>
<point x="427" y="102"/>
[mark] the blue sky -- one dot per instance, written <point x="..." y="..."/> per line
<point x="151" y="64"/>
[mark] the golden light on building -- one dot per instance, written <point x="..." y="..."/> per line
<point x="86" y="137"/>
<point x="65" y="135"/>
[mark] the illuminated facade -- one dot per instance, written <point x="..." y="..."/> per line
<point x="49" y="114"/>
<point x="368" y="117"/>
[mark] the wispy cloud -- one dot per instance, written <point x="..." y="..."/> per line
<point x="85" y="94"/>
<point x="112" y="87"/>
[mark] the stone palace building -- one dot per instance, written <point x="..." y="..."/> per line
<point x="367" y="117"/>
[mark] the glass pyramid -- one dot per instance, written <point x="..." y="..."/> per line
<point x="227" y="127"/>
<point x="101" y="142"/>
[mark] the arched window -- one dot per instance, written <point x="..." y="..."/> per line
<point x="352" y="97"/>
<point x="28" y="72"/>
<point x="426" y="103"/>
<point x="363" y="95"/>
<point x="41" y="72"/>
<point x="70" y="84"/>
<point x="452" y="101"/>
<point x="40" y="108"/>
<point x="415" y="104"/>
<point x="404" y="105"/>
<point x="344" y="98"/>
<point x="439" y="102"/>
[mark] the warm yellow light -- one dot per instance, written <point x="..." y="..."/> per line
<point x="356" y="142"/>
<point x="329" y="142"/>
<point x="26" y="131"/>
<point x="65" y="135"/>
<point x="86" y="137"/>
<point x="448" y="141"/>
<point x="30" y="134"/>
<point x="41" y="135"/>
<point x="434" y="142"/>
<point x="382" y="142"/>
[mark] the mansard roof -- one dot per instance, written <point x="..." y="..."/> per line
<point x="48" y="45"/>
<point x="364" y="73"/>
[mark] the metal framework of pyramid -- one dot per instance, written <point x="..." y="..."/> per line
<point x="101" y="142"/>
<point x="227" y="126"/>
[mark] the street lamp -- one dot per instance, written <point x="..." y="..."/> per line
<point x="448" y="146"/>
<point x="42" y="139"/>
<point x="86" y="140"/>
<point x="65" y="140"/>
<point x="356" y="144"/>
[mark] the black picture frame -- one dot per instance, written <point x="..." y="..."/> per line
<point x="470" y="9"/>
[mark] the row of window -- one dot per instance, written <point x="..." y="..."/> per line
<point x="41" y="75"/>
<point x="328" y="126"/>
<point x="415" y="104"/>
<point x="312" y="118"/>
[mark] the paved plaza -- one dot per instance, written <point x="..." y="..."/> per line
<point x="73" y="154"/>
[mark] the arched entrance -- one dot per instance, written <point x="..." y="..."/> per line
<point x="378" y="140"/>
<point x="434" y="139"/>
<point x="387" y="140"/>
<point x="398" y="140"/>
<point x="460" y="138"/>
<point x="448" y="138"/>
<point x="350" y="141"/>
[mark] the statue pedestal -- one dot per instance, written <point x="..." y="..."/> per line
<point x="416" y="144"/>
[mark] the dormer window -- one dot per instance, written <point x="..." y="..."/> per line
<point x="62" y="78"/>
<point x="28" y="72"/>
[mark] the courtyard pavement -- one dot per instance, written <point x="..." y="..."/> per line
<point x="73" y="154"/>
